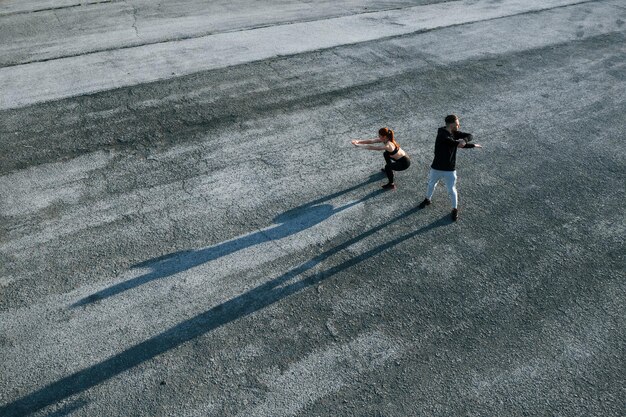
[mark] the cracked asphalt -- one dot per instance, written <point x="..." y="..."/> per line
<point x="185" y="229"/>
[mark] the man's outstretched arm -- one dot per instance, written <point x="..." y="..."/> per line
<point x="469" y="145"/>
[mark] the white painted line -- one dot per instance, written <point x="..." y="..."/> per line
<point x="28" y="84"/>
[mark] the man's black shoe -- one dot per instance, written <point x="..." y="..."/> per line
<point x="455" y="215"/>
<point x="424" y="203"/>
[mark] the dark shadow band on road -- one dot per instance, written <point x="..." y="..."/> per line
<point x="290" y="222"/>
<point x="231" y="310"/>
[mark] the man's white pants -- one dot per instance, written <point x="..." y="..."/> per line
<point x="450" y="179"/>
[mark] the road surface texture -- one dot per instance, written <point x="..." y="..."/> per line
<point x="187" y="231"/>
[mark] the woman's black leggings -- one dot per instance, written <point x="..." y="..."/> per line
<point x="395" y="165"/>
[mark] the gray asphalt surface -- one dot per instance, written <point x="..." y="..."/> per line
<point x="210" y="244"/>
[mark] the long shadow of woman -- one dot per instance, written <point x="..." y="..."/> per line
<point x="286" y="224"/>
<point x="255" y="299"/>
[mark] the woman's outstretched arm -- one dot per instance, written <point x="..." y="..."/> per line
<point x="366" y="141"/>
<point x="360" y="144"/>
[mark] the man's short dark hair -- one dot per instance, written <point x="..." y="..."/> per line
<point x="451" y="118"/>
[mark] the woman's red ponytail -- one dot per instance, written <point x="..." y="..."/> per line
<point x="388" y="133"/>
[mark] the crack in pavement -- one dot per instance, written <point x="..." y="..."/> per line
<point x="56" y="16"/>
<point x="135" y="11"/>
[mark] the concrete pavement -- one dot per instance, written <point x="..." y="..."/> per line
<point x="208" y="243"/>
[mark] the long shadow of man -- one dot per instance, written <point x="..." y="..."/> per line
<point x="289" y="283"/>
<point x="286" y="224"/>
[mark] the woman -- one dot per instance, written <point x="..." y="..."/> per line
<point x="396" y="159"/>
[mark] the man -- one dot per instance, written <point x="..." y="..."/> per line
<point x="449" y="139"/>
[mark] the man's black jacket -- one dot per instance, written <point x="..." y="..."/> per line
<point x="446" y="145"/>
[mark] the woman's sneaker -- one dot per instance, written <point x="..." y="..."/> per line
<point x="389" y="186"/>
